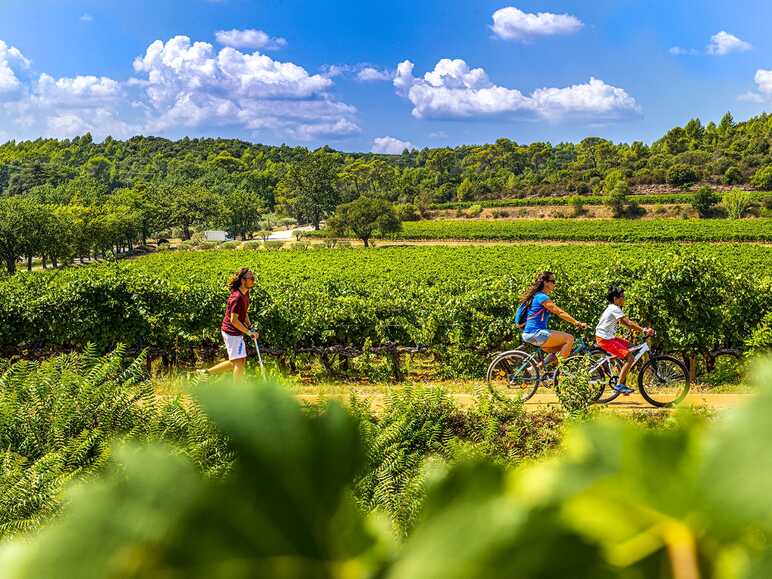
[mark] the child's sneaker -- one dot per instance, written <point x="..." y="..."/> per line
<point x="622" y="389"/>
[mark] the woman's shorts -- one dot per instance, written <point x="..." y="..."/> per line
<point x="235" y="346"/>
<point x="615" y="346"/>
<point x="536" y="338"/>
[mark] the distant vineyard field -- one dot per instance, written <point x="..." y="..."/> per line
<point x="614" y="230"/>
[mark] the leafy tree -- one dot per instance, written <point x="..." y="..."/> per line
<point x="17" y="229"/>
<point x="192" y="205"/>
<point x="364" y="217"/>
<point x="243" y="211"/>
<point x="308" y="190"/>
<point x="99" y="168"/>
<point x="704" y="201"/>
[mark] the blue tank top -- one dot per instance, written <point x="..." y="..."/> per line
<point x="538" y="316"/>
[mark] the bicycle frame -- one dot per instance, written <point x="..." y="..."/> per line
<point x="641" y="349"/>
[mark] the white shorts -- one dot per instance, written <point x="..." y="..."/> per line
<point x="235" y="346"/>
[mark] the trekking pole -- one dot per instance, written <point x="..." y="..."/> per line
<point x="259" y="356"/>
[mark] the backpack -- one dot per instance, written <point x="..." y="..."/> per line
<point x="521" y="317"/>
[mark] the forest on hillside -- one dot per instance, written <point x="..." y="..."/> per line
<point x="67" y="199"/>
<point x="80" y="169"/>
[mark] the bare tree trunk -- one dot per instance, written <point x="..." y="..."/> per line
<point x="29" y="263"/>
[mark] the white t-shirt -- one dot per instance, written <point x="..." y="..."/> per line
<point x="609" y="321"/>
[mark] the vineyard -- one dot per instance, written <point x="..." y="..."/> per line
<point x="455" y="303"/>
<point x="616" y="230"/>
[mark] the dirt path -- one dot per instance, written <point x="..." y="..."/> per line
<point x="634" y="402"/>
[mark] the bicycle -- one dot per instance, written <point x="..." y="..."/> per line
<point x="663" y="380"/>
<point x="717" y="367"/>
<point x="517" y="375"/>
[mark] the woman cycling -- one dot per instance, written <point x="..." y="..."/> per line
<point x="533" y="316"/>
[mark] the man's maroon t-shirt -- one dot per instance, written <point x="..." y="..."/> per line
<point x="238" y="303"/>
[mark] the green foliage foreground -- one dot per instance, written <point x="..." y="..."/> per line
<point x="620" y="501"/>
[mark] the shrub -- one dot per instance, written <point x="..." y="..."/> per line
<point x="251" y="244"/>
<point x="473" y="210"/>
<point x="681" y="175"/>
<point x="272" y="244"/>
<point x="704" y="202"/>
<point x="617" y="199"/>
<point x="737" y="203"/>
<point x="287" y="222"/>
<point x="575" y="390"/>
<point x="407" y="212"/>
<point x="733" y="176"/>
<point x="230" y="245"/>
<point x="760" y="341"/>
<point x="762" y="179"/>
<point x="577" y="202"/>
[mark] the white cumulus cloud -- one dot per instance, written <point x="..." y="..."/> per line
<point x="12" y="61"/>
<point x="80" y="91"/>
<point x="188" y="84"/>
<point x="724" y="43"/>
<point x="180" y="86"/>
<point x="250" y="38"/>
<point x="511" y="23"/>
<point x="369" y="73"/>
<point x="390" y="145"/>
<point x="763" y="80"/>
<point x="452" y="90"/>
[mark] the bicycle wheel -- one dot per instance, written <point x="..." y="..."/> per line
<point x="513" y="376"/>
<point x="572" y="368"/>
<point x="663" y="381"/>
<point x="611" y="369"/>
<point x="722" y="366"/>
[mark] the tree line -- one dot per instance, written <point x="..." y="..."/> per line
<point x="61" y="199"/>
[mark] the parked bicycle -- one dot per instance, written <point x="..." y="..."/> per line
<point x="717" y="367"/>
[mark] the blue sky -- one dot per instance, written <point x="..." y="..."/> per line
<point x="376" y="75"/>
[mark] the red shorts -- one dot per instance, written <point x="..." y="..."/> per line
<point x="615" y="346"/>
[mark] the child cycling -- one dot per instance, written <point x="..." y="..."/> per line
<point x="607" y="339"/>
<point x="533" y="316"/>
